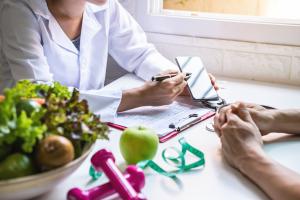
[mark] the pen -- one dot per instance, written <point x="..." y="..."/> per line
<point x="163" y="77"/>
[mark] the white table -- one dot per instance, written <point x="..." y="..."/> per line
<point x="217" y="180"/>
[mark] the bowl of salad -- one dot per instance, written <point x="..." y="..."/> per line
<point x="46" y="132"/>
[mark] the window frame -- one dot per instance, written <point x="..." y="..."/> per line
<point x="218" y="26"/>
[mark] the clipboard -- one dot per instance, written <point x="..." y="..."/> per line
<point x="173" y="133"/>
<point x="183" y="114"/>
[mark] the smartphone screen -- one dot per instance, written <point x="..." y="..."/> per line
<point x="199" y="82"/>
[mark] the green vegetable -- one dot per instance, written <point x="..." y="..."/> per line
<point x="19" y="127"/>
<point x="72" y="119"/>
<point x="20" y="120"/>
<point x="23" y="123"/>
<point x="27" y="89"/>
<point x="5" y="151"/>
<point x="16" y="165"/>
<point x="29" y="106"/>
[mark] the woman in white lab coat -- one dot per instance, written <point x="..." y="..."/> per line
<point x="69" y="41"/>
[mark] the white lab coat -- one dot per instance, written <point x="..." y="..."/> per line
<point x="33" y="46"/>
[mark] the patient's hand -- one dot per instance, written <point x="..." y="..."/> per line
<point x="262" y="117"/>
<point x="240" y="137"/>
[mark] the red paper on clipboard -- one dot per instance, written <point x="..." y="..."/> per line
<point x="180" y="113"/>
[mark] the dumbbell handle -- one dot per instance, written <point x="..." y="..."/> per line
<point x="103" y="160"/>
<point x="134" y="176"/>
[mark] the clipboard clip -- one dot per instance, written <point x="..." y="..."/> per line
<point x="188" y="125"/>
<point x="194" y="122"/>
<point x="173" y="126"/>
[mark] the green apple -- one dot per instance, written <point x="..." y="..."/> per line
<point x="138" y="144"/>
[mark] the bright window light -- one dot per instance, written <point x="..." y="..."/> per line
<point x="284" y="9"/>
<point x="263" y="21"/>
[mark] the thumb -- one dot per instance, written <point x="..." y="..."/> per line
<point x="244" y="113"/>
<point x="169" y="71"/>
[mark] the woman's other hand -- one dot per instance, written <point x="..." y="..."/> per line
<point x="186" y="91"/>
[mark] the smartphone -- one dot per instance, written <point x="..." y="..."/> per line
<point x="199" y="83"/>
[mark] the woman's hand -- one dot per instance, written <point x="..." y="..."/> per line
<point x="240" y="137"/>
<point x="154" y="93"/>
<point x="164" y="92"/>
<point x="213" y="81"/>
<point x="186" y="91"/>
<point x="262" y="117"/>
<point x="157" y="93"/>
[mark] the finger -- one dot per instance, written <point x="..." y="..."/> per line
<point x="212" y="78"/>
<point x="216" y="86"/>
<point x="238" y="117"/>
<point x="222" y="118"/>
<point x="176" y="80"/>
<point x="216" y="120"/>
<point x="180" y="88"/>
<point x="249" y="105"/>
<point x="252" y="106"/>
<point x="244" y="114"/>
<point x="218" y="132"/>
<point x="213" y="81"/>
<point x="238" y="106"/>
<point x="185" y="92"/>
<point x="169" y="71"/>
<point x="232" y="119"/>
<point x="216" y="125"/>
<point x="222" y="114"/>
<point x="235" y="107"/>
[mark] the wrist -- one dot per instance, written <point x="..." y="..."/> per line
<point x="266" y="121"/>
<point x="277" y="118"/>
<point x="131" y="98"/>
<point x="143" y="95"/>
<point x="253" y="161"/>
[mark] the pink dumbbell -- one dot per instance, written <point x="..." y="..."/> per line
<point x="128" y="186"/>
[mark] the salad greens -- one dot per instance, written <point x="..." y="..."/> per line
<point x="61" y="114"/>
<point x="72" y="119"/>
<point x="19" y="128"/>
<point x="27" y="89"/>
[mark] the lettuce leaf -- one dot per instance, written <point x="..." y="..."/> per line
<point x="62" y="114"/>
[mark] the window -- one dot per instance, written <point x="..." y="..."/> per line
<point x="266" y="21"/>
<point x="284" y="9"/>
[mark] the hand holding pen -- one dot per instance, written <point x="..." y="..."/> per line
<point x="170" y="75"/>
<point x="155" y="93"/>
<point x="163" y="91"/>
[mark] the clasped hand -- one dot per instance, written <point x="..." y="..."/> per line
<point x="240" y="127"/>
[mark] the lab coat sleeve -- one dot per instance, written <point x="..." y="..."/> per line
<point x="22" y="46"/>
<point x="21" y="43"/>
<point x="104" y="102"/>
<point x="129" y="47"/>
